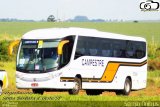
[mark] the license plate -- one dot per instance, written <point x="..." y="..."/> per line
<point x="34" y="84"/>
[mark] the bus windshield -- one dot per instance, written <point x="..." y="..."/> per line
<point x="37" y="56"/>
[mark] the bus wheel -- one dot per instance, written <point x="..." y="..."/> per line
<point x="93" y="92"/>
<point x="76" y="88"/>
<point x="127" y="88"/>
<point x="38" y="91"/>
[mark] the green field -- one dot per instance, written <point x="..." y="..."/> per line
<point x="150" y="31"/>
<point x="12" y="30"/>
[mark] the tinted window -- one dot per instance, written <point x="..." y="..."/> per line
<point x="92" y="46"/>
<point x="81" y="47"/>
<point x="67" y="51"/>
<point x="107" y="50"/>
<point x="119" y="47"/>
<point x="140" y="49"/>
<point x="130" y="51"/>
<point x="135" y="49"/>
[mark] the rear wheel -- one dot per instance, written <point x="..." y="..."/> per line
<point x="93" y="92"/>
<point x="77" y="87"/>
<point x="127" y="88"/>
<point x="38" y="91"/>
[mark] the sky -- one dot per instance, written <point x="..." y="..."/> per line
<point x="68" y="9"/>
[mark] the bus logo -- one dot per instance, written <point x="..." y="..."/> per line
<point x="149" y="5"/>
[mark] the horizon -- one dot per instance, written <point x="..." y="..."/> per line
<point x="72" y="20"/>
<point x="68" y="9"/>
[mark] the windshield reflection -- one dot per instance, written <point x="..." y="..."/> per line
<point x="31" y="58"/>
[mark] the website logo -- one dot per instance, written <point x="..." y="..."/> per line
<point x="149" y="5"/>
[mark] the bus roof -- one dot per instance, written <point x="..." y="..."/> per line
<point x="58" y="33"/>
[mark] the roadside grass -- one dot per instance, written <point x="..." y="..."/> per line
<point x="153" y="74"/>
<point x="30" y="100"/>
<point x="154" y="79"/>
<point x="64" y="97"/>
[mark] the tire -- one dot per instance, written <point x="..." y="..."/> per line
<point x="93" y="92"/>
<point x="1" y="89"/>
<point x="38" y="91"/>
<point x="127" y="88"/>
<point x="76" y="88"/>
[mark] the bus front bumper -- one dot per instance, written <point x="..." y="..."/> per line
<point x="50" y="84"/>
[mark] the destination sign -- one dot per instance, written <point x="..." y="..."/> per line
<point x="30" y="42"/>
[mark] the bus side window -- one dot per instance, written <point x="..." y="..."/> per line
<point x="65" y="54"/>
<point x="106" y="50"/>
<point x="129" y="50"/>
<point x="92" y="47"/>
<point x="116" y="52"/>
<point x="80" y="49"/>
<point x="67" y="51"/>
<point x="119" y="48"/>
<point x="139" y="50"/>
<point x="93" y="52"/>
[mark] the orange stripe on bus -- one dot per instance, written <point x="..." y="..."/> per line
<point x="112" y="69"/>
<point x="110" y="72"/>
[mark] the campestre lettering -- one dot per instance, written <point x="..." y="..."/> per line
<point x="92" y="62"/>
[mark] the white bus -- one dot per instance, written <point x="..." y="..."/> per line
<point x="77" y="58"/>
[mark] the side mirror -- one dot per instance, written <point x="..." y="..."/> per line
<point x="60" y="46"/>
<point x="12" y="45"/>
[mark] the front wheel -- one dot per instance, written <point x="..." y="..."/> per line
<point x="76" y="88"/>
<point x="127" y="88"/>
<point x="38" y="91"/>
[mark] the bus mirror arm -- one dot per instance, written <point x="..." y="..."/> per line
<point x="12" y="45"/>
<point x="60" y="46"/>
